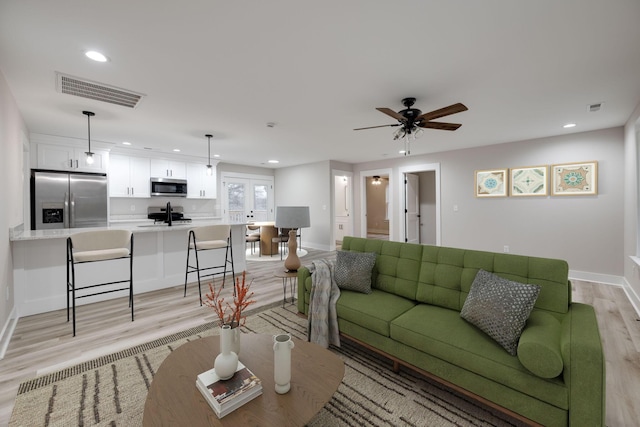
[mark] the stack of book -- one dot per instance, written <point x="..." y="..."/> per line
<point x="224" y="396"/>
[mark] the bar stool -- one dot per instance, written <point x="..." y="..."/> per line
<point x="252" y="236"/>
<point x="207" y="238"/>
<point x="97" y="246"/>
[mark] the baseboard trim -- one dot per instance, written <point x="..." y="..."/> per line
<point x="608" y="279"/>
<point x="7" y="332"/>
<point x="633" y="297"/>
<point x="612" y="280"/>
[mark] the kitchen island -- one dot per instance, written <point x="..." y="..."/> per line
<point x="159" y="261"/>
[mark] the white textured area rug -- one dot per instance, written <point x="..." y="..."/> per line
<point x="111" y="390"/>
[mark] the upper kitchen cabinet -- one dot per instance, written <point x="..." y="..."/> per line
<point x="199" y="184"/>
<point x="161" y="168"/>
<point x="129" y="176"/>
<point x="66" y="158"/>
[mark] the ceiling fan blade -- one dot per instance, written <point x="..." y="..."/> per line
<point x="451" y="109"/>
<point x="381" y="126"/>
<point x="440" y="125"/>
<point x="390" y="112"/>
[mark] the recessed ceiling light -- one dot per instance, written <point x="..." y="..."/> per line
<point x="401" y="152"/>
<point x="177" y="150"/>
<point x="96" y="56"/>
<point x="126" y="143"/>
<point x="274" y="161"/>
<point x="569" y="125"/>
<point x="216" y="155"/>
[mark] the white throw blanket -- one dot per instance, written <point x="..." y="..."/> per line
<point x="322" y="328"/>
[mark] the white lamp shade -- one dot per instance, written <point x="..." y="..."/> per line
<point x="292" y="217"/>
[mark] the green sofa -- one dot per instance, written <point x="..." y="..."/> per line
<point x="412" y="316"/>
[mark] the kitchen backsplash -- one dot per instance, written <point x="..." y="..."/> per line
<point x="132" y="209"/>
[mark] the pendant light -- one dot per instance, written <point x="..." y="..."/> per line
<point x="209" y="167"/>
<point x="89" y="154"/>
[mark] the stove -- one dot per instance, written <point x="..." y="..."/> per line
<point x="159" y="214"/>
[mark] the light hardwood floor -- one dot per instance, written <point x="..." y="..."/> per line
<point x="43" y="343"/>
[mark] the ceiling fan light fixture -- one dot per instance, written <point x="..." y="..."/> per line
<point x="399" y="134"/>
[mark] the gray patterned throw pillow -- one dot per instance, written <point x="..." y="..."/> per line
<point x="353" y="270"/>
<point x="500" y="308"/>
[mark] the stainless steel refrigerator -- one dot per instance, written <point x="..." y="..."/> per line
<point x="68" y="200"/>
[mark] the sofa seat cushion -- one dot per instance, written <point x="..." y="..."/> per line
<point x="372" y="311"/>
<point x="442" y="333"/>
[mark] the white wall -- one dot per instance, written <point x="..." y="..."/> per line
<point x="309" y="185"/>
<point x="587" y="231"/>
<point x="13" y="140"/>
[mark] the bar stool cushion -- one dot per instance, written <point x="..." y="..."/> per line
<point x="100" y="255"/>
<point x="211" y="236"/>
<point x="100" y="245"/>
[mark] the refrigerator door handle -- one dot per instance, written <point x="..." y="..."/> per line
<point x="65" y="216"/>
<point x="72" y="211"/>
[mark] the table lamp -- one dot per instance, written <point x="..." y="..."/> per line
<point x="292" y="217"/>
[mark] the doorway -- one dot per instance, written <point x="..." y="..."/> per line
<point x="420" y="206"/>
<point x="342" y="206"/>
<point x="376" y="204"/>
<point x="247" y="198"/>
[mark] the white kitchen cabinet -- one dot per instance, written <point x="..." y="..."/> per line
<point x="66" y="158"/>
<point x="161" y="168"/>
<point x="199" y="184"/>
<point x="129" y="176"/>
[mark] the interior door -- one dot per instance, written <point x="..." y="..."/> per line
<point x="412" y="208"/>
<point x="248" y="199"/>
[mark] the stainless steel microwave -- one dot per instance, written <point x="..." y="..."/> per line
<point x="168" y="187"/>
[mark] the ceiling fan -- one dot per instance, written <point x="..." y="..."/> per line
<point x="413" y="120"/>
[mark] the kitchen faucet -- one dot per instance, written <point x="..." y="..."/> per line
<point x="169" y="213"/>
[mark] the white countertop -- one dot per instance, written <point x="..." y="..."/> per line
<point x="146" y="226"/>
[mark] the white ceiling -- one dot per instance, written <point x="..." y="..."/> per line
<point x="319" y="69"/>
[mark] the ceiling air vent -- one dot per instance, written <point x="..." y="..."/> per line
<point x="98" y="91"/>
<point x="592" y="108"/>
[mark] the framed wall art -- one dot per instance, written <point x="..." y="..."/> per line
<point x="575" y="179"/>
<point x="529" y="181"/>
<point x="491" y="183"/>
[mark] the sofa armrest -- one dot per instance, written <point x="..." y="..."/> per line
<point x="584" y="363"/>
<point x="303" y="275"/>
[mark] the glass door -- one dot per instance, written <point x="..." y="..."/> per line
<point x="247" y="199"/>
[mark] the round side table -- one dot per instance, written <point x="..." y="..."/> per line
<point x="292" y="278"/>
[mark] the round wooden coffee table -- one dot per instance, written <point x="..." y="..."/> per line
<point x="173" y="398"/>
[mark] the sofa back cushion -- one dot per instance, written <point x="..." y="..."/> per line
<point x="397" y="267"/>
<point x="446" y="275"/>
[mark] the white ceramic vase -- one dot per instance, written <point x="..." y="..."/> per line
<point x="226" y="362"/>
<point x="282" y="345"/>
<point x="235" y="340"/>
